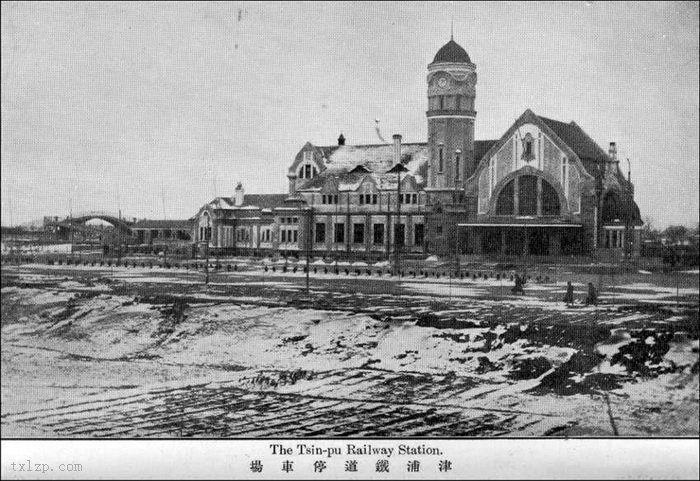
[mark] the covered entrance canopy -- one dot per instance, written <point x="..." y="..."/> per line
<point x="522" y="238"/>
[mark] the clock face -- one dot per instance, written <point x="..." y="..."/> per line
<point x="442" y="83"/>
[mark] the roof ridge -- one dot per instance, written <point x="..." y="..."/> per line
<point x="389" y="144"/>
<point x="572" y="123"/>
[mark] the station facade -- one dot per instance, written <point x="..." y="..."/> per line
<point x="545" y="188"/>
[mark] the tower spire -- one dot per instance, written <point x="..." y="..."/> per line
<point x="452" y="28"/>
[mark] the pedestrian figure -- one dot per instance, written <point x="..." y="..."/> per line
<point x="569" y="296"/>
<point x="592" y="297"/>
<point x="518" y="288"/>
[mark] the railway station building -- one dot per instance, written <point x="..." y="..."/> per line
<point x="544" y="188"/>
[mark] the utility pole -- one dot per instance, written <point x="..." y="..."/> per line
<point x="397" y="169"/>
<point x="70" y="212"/>
<point x="309" y="219"/>
<point x="628" y="193"/>
<point x="336" y="201"/>
<point x="207" y="235"/>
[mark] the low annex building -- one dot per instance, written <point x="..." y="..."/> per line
<point x="545" y="188"/>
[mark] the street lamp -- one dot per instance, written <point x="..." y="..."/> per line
<point x="397" y="169"/>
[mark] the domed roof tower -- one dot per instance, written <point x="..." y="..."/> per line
<point x="451" y="114"/>
<point x="452" y="52"/>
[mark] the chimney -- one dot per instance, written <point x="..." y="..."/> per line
<point x="238" y="196"/>
<point x="397" y="149"/>
<point x="341" y="139"/>
<point x="612" y="151"/>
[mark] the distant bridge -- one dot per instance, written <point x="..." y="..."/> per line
<point x="119" y="222"/>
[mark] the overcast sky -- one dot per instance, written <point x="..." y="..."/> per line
<point x="158" y="107"/>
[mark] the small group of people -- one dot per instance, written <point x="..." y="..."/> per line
<point x="591" y="298"/>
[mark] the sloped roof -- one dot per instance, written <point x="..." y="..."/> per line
<point x="261" y="201"/>
<point x="377" y="159"/>
<point x="343" y="161"/>
<point x="572" y="135"/>
<point x="162" y="224"/>
<point x="481" y="147"/>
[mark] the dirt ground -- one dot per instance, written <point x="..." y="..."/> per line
<point x="153" y="352"/>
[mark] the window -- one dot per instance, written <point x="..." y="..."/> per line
<point x="438" y="229"/>
<point x="358" y="233"/>
<point x="505" y="205"/>
<point x="320" y="232"/>
<point x="284" y="235"/>
<point x="307" y="171"/>
<point x="374" y="199"/>
<point x="440" y="159"/>
<point x="400" y="233"/>
<point x="414" y="198"/>
<point x="441" y="102"/>
<point x="323" y="199"/>
<point x="362" y="199"/>
<point x="458" y="166"/>
<point x="550" y="200"/>
<point x="418" y="234"/>
<point x="295" y="233"/>
<point x="528" y="148"/>
<point x="339" y="232"/>
<point x="295" y="220"/>
<point x="335" y="198"/>
<point x="378" y="237"/>
<point x="527" y="193"/>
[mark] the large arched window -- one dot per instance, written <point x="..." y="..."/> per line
<point x="528" y="201"/>
<point x="505" y="204"/>
<point x="527" y="191"/>
<point x="550" y="200"/>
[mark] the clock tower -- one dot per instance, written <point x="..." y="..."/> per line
<point x="451" y="114"/>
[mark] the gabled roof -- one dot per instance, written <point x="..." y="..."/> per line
<point x="572" y="135"/>
<point x="481" y="147"/>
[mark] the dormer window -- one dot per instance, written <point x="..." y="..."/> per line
<point x="528" y="148"/>
<point x="441" y="158"/>
<point x="307" y="171"/>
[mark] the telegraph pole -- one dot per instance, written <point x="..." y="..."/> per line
<point x="70" y="209"/>
<point x="397" y="169"/>
<point x="309" y="218"/>
<point x="207" y="235"/>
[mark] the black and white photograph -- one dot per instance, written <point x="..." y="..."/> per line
<point x="353" y="234"/>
